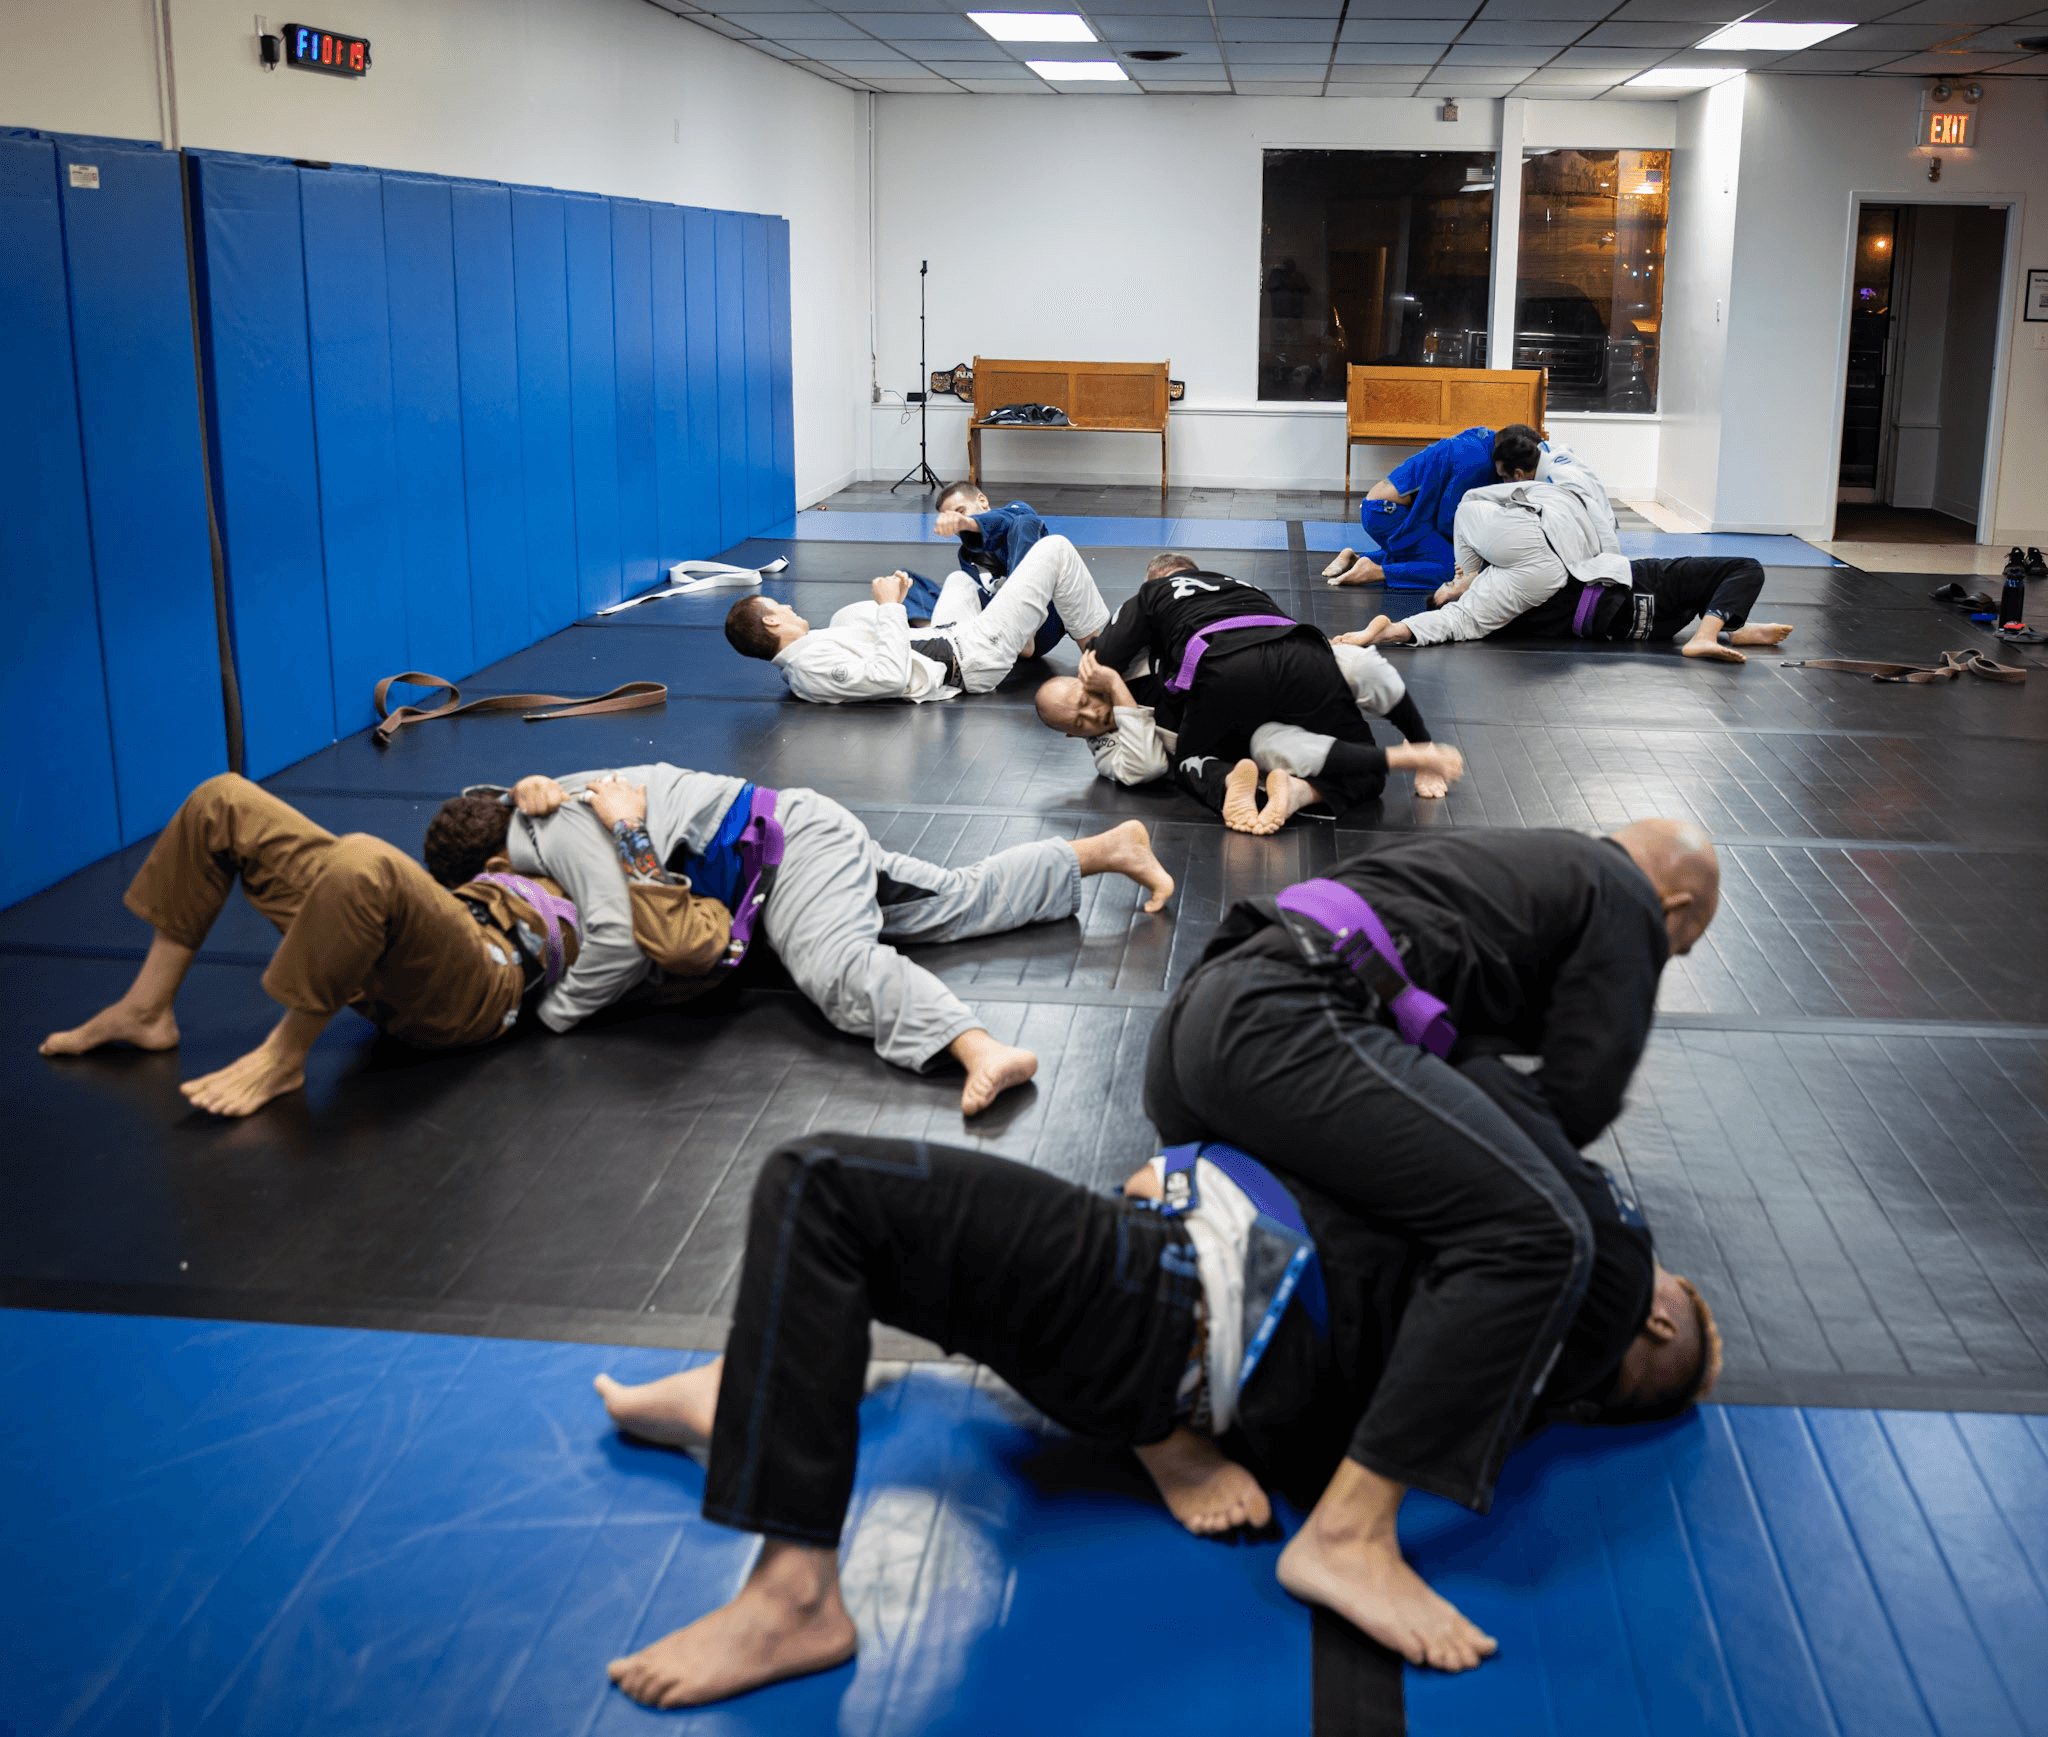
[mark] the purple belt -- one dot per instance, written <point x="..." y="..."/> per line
<point x="1362" y="944"/>
<point x="1582" y="617"/>
<point x="1180" y="683"/>
<point x="760" y="852"/>
<point x="553" y="912"/>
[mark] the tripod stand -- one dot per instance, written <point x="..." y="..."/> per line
<point x="920" y="473"/>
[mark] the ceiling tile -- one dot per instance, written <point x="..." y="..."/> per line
<point x="1956" y="12"/>
<point x="1126" y="27"/>
<point x="1571" y="77"/>
<point x="1950" y="65"/>
<point x="1709" y="12"/>
<point x="1392" y="72"/>
<point x="1903" y="37"/>
<point x="1367" y="53"/>
<point x="983" y="70"/>
<point x="1442" y="88"/>
<point x="803" y="27"/>
<point x="1265" y="53"/>
<point x="1632" y="59"/>
<point x="1457" y="9"/>
<point x="1832" y="11"/>
<point x="1748" y="59"/>
<point x="1835" y="60"/>
<point x="1522" y="10"/>
<point x="1373" y="92"/>
<point x="915" y="43"/>
<point x="1641" y="35"/>
<point x="1183" y="8"/>
<point x="1033" y="86"/>
<point x="1278" y="8"/>
<point x="1639" y="94"/>
<point x="877" y="62"/>
<point x="1489" y="54"/>
<point x="1278" y="88"/>
<point x="1554" y="34"/>
<point x="928" y="26"/>
<point x="1439" y="31"/>
<point x="1278" y="29"/>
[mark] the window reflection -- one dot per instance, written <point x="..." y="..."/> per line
<point x="1372" y="256"/>
<point x="1589" y="285"/>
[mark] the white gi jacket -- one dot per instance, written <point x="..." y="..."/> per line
<point x="864" y="654"/>
<point x="1526" y="539"/>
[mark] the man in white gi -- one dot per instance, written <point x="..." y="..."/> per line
<point x="827" y="897"/>
<point x="870" y="651"/>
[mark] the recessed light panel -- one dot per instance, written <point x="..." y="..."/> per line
<point x="1035" y="26"/>
<point x="1783" y="37"/>
<point x="1063" y="71"/>
<point x="1683" y="77"/>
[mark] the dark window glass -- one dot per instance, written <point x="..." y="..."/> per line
<point x="1589" y="279"/>
<point x="1870" y="326"/>
<point x="1372" y="256"/>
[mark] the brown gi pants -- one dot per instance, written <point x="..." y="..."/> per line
<point x="364" y="925"/>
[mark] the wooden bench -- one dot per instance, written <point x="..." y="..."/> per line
<point x="1415" y="406"/>
<point x="1121" y="397"/>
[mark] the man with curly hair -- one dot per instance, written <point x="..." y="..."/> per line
<point x="438" y="959"/>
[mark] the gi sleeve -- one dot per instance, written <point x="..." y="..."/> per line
<point x="1129" y="633"/>
<point x="1133" y="752"/>
<point x="1416" y="471"/>
<point x="1600" y="1010"/>
<point x="573" y="847"/>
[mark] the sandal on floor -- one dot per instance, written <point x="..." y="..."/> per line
<point x="2018" y="633"/>
<point x="1953" y="664"/>
<point x="1955" y="595"/>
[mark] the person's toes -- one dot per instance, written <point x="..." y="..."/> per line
<point x="1344" y="559"/>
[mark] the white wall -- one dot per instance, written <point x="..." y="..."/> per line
<point x="587" y="95"/>
<point x="1102" y="228"/>
<point x="1810" y="148"/>
<point x="1699" y="262"/>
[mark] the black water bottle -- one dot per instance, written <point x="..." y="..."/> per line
<point x="2012" y="599"/>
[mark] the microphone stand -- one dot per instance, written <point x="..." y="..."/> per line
<point x="921" y="473"/>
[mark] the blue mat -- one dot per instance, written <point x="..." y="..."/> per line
<point x="813" y="525"/>
<point x="266" y="1529"/>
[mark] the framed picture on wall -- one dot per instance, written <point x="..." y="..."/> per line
<point x="2037" y="295"/>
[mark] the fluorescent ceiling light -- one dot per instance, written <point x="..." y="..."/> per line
<point x="1785" y="37"/>
<point x="1065" y="70"/>
<point x="1682" y="77"/>
<point x="1035" y="26"/>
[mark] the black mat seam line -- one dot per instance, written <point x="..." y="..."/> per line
<point x="1297" y="538"/>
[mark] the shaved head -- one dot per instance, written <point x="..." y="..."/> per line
<point x="1068" y="707"/>
<point x="1680" y="862"/>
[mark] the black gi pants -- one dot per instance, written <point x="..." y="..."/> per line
<point x="1084" y="1304"/>
<point x="1283" y="681"/>
<point x="1263" y="1053"/>
<point x="1689" y="586"/>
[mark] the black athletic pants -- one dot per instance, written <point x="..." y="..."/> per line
<point x="1689" y="586"/>
<point x="1083" y="1304"/>
<point x="1283" y="681"/>
<point x="1263" y="1053"/>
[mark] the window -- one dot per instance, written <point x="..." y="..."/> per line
<point x="1372" y="256"/>
<point x="1589" y="282"/>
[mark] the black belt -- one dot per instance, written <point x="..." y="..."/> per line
<point x="941" y="650"/>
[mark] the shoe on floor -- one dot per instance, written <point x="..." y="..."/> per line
<point x="2036" y="567"/>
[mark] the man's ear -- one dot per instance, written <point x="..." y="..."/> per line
<point x="1661" y="1326"/>
<point x="501" y="864"/>
<point x="1676" y="902"/>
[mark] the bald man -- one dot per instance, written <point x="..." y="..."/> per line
<point x="1350" y="1029"/>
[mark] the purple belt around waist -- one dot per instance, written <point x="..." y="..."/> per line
<point x="1589" y="604"/>
<point x="1358" y="938"/>
<point x="553" y="912"/>
<point x="1185" y="678"/>
<point x="760" y="852"/>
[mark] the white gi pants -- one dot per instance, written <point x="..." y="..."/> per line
<point x="989" y="638"/>
<point x="839" y="898"/>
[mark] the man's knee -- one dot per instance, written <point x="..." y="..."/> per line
<point x="359" y="863"/>
<point x="222" y="793"/>
<point x="818" y="1170"/>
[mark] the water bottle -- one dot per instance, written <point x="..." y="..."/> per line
<point x="2012" y="599"/>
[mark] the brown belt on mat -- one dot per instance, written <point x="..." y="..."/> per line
<point x="1953" y="664"/>
<point x="627" y="697"/>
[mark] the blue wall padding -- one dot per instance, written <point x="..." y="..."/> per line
<point x="426" y="406"/>
<point x="487" y="352"/>
<point x="348" y="321"/>
<point x="782" y="386"/>
<point x="60" y="811"/>
<point x="702" y="503"/>
<point x="633" y="346"/>
<point x="138" y="393"/>
<point x="593" y="401"/>
<point x="668" y="320"/>
<point x="730" y="289"/>
<point x="760" y="365"/>
<point x="252" y="295"/>
<point x="541" y="277"/>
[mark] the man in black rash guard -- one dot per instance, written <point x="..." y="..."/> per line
<point x="1214" y="662"/>
<point x="1349" y="1032"/>
<point x="1129" y="1321"/>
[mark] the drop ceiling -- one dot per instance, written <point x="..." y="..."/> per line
<point x="1371" y="48"/>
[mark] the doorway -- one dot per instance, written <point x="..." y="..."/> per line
<point x="1923" y="338"/>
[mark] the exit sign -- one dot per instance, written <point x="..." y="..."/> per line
<point x="1953" y="127"/>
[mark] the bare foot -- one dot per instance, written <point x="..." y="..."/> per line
<point x="1711" y="649"/>
<point x="992" y="1069"/>
<point x="1241" y="798"/>
<point x="787" y="1621"/>
<point x="675" y="1411"/>
<point x="1286" y="796"/>
<point x="1341" y="565"/>
<point x="1127" y="850"/>
<point x="1360" y="572"/>
<point x="244" y="1087"/>
<point x="1430" y="785"/>
<point x="144" y="1027"/>
<point x="1207" y="1491"/>
<point x="1761" y="633"/>
<point x="1363" y="1578"/>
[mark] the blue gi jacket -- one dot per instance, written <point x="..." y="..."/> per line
<point x="1005" y="537"/>
<point x="1415" y="540"/>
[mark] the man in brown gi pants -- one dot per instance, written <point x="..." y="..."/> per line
<point x="364" y="926"/>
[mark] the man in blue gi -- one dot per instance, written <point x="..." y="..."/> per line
<point x="992" y="542"/>
<point x="1410" y="514"/>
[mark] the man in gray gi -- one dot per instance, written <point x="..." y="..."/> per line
<point x="826" y="896"/>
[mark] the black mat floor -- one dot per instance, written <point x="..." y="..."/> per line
<point x="1838" y="1129"/>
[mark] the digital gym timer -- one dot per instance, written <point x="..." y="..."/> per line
<point x="315" y="50"/>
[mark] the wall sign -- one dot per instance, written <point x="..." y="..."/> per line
<point x="312" y="49"/>
<point x="2037" y="295"/>
<point x="1956" y="128"/>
